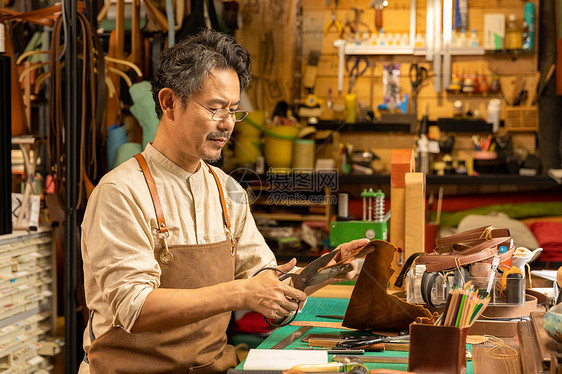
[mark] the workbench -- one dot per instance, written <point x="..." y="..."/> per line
<point x="322" y="303"/>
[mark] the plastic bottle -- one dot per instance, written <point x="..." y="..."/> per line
<point x="529" y="16"/>
<point x="390" y="40"/>
<point x="382" y="39"/>
<point x="513" y="33"/>
<point x="420" y="41"/>
<point x="473" y="41"/>
<point x="413" y="285"/>
<point x="524" y="34"/>
<point x="454" y="38"/>
<point x="494" y="108"/>
<point x="462" y="41"/>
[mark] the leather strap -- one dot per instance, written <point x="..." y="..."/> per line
<point x="162" y="228"/>
<point x="482" y="252"/>
<point x="225" y="219"/>
<point x="92" y="84"/>
<point x="480" y="234"/>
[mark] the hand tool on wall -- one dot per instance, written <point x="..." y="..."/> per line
<point x="418" y="75"/>
<point x="334" y="23"/>
<point x="357" y="27"/>
<point x="340" y="45"/>
<point x="356" y="66"/>
<point x="379" y="6"/>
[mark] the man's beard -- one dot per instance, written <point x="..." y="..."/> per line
<point x="214" y="135"/>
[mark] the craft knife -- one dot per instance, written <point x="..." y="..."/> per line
<point x="291" y="338"/>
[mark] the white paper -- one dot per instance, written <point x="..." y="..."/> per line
<point x="282" y="359"/>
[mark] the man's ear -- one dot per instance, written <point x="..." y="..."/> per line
<point x="167" y="99"/>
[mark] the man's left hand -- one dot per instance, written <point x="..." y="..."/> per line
<point x="345" y="251"/>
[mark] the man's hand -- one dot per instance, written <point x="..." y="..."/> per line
<point x="345" y="251"/>
<point x="267" y="295"/>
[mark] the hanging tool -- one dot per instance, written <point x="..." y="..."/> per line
<point x="356" y="69"/>
<point x="334" y="21"/>
<point x="312" y="105"/>
<point x="417" y="75"/>
<point x="358" y="28"/>
<point x="340" y="45"/>
<point x="379" y="6"/>
<point x="371" y="112"/>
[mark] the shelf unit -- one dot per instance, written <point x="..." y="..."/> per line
<point x="28" y="300"/>
<point x="292" y="206"/>
<point x="487" y="179"/>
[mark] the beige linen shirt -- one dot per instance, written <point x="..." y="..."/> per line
<point x="119" y="233"/>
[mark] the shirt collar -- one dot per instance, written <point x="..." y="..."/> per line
<point x="167" y="164"/>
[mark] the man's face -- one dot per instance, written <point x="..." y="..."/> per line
<point x="199" y="136"/>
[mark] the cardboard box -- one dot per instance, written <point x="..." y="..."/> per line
<point x="494" y="31"/>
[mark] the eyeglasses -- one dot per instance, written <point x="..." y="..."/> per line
<point x="221" y="114"/>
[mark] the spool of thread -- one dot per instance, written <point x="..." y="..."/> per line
<point x="343" y="200"/>
<point x="514" y="289"/>
<point x="303" y="154"/>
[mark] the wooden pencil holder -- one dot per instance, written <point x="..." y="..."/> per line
<point x="436" y="349"/>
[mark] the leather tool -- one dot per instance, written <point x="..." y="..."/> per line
<point x="291" y="338"/>
<point x="318" y="272"/>
<point x="374" y="359"/>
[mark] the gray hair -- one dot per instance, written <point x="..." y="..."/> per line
<point x="184" y="67"/>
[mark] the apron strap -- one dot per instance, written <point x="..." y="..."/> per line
<point x="162" y="228"/>
<point x="225" y="219"/>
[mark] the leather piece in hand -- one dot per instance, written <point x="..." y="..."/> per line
<point x="370" y="306"/>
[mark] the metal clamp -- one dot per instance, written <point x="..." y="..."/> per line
<point x="165" y="257"/>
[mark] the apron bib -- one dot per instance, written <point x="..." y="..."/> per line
<point x="199" y="347"/>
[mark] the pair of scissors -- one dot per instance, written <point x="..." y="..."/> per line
<point x="357" y="68"/>
<point x="319" y="271"/>
<point x="313" y="274"/>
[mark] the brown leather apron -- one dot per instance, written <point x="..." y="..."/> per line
<point x="199" y="347"/>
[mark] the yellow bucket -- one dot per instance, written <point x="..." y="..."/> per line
<point x="247" y="144"/>
<point x="278" y="149"/>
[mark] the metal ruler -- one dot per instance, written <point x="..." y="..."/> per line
<point x="375" y="359"/>
<point x="291" y="338"/>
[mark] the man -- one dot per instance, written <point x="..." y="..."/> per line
<point x="167" y="252"/>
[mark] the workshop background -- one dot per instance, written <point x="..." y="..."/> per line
<point x="339" y="86"/>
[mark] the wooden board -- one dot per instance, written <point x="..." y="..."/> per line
<point x="530" y="356"/>
<point x="545" y="344"/>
